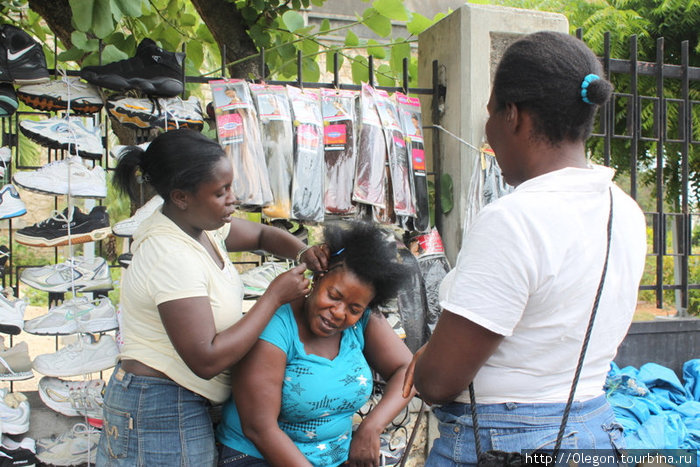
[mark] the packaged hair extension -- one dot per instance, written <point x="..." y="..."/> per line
<point x="338" y="109"/>
<point x="239" y="135"/>
<point x="309" y="166"/>
<point x="278" y="145"/>
<point x="370" y="175"/>
<point x="429" y="250"/>
<point x="410" y="117"/>
<point x="412" y="303"/>
<point x="399" y="165"/>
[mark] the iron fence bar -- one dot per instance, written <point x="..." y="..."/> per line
<point x="371" y="70"/>
<point x="659" y="123"/>
<point x="336" y="74"/>
<point x="685" y="152"/>
<point x="437" y="166"/>
<point x="300" y="81"/>
<point x="634" y="118"/>
<point x="404" y="65"/>
<point x="608" y="114"/>
<point x="650" y="69"/>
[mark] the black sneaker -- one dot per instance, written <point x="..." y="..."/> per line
<point x="152" y="70"/>
<point x="24" y="58"/>
<point x="54" y="230"/>
<point x="124" y="259"/>
<point x="8" y="100"/>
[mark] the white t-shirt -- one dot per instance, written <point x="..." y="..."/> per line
<point x="168" y="265"/>
<point x="529" y="270"/>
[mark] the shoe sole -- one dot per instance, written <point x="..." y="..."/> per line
<point x="96" y="366"/>
<point x="52" y="104"/>
<point x="93" y="326"/>
<point x="15" y="428"/>
<point x="88" y="287"/>
<point x="54" y="193"/>
<point x="134" y="119"/>
<point x="168" y="87"/>
<point x="94" y="236"/>
<point x="53" y="144"/>
<point x="20" y="212"/>
<point x="21" y="376"/>
<point x="9" y="328"/>
<point x="23" y="81"/>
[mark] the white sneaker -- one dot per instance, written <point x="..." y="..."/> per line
<point x="10" y="203"/>
<point x="73" y="398"/>
<point x="11" y="314"/>
<point x="14" y="412"/>
<point x="66" y="176"/>
<point x="65" y="133"/>
<point x="15" y="364"/>
<point x="80" y="358"/>
<point x="5" y="154"/>
<point x="74" y="447"/>
<point x="79" y="274"/>
<point x="75" y="315"/>
<point x="60" y="93"/>
<point x="127" y="227"/>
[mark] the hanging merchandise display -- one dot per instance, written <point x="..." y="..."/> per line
<point x="412" y="303"/>
<point x="338" y="109"/>
<point x="370" y="175"/>
<point x="67" y="93"/>
<point x="411" y="122"/>
<point x="308" y="183"/>
<point x="68" y="133"/>
<point x="434" y="267"/>
<point x="494" y="185"/>
<point x="276" y="128"/>
<point x="239" y="134"/>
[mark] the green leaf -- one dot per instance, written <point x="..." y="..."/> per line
<point x="325" y="26"/>
<point x="293" y="20"/>
<point x="399" y="51"/>
<point x="351" y="39"/>
<point x="249" y="14"/>
<point x="309" y="70"/>
<point x="188" y="20"/>
<point x="418" y="24"/>
<point x="102" y="22"/>
<point x="446" y="190"/>
<point x="70" y="55"/>
<point x="379" y="24"/>
<point x="296" y="4"/>
<point x="384" y="75"/>
<point x="392" y="9"/>
<point x="112" y="54"/>
<point x="375" y="49"/>
<point x="317" y="2"/>
<point x="360" y="69"/>
<point x="195" y="55"/>
<point x="79" y="39"/>
<point x="308" y="47"/>
<point x="132" y="8"/>
<point x="117" y="14"/>
<point x="82" y="13"/>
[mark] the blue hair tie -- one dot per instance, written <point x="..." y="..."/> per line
<point x="584" y="86"/>
<point x="338" y="252"/>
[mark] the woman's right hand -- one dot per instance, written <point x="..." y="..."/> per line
<point x="289" y="285"/>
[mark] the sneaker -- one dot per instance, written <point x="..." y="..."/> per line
<point x="5" y="154"/>
<point x="16" y="453"/>
<point x="15" y="364"/>
<point x="120" y="149"/>
<point x="65" y="133"/>
<point x="60" y="94"/>
<point x="80" y="358"/>
<point x="54" y="231"/>
<point x="75" y="447"/>
<point x="168" y="114"/>
<point x="391" y="449"/>
<point x="11" y="315"/>
<point x="10" y="203"/>
<point x="8" y="100"/>
<point x="79" y="273"/>
<point x="24" y="58"/>
<point x="127" y="227"/>
<point x="152" y="70"/>
<point x="124" y="260"/>
<point x="73" y="398"/>
<point x="75" y="315"/>
<point x="14" y="412"/>
<point x="65" y="176"/>
<point x="4" y="258"/>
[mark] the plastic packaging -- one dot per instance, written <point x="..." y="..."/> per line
<point x="370" y="173"/>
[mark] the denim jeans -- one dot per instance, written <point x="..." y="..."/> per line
<point x="229" y="457"/>
<point x="154" y="422"/>
<point x="515" y="427"/>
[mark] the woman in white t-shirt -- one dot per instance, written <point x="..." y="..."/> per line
<point x="517" y="305"/>
<point x="181" y="298"/>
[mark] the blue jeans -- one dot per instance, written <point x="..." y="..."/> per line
<point x="229" y="457"/>
<point x="154" y="422"/>
<point x="515" y="427"/>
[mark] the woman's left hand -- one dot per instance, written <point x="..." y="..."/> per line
<point x="364" y="448"/>
<point x="316" y="257"/>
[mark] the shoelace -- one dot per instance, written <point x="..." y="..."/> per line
<point x="167" y="109"/>
<point x="59" y="217"/>
<point x="7" y="366"/>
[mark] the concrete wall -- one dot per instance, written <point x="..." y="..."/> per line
<point x="467" y="45"/>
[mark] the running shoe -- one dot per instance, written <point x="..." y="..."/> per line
<point x="15" y="364"/>
<point x="67" y="93"/>
<point x="124" y="260"/>
<point x="73" y="398"/>
<point x="75" y="447"/>
<point x="17" y="453"/>
<point x="11" y="315"/>
<point x="168" y="114"/>
<point x="8" y="100"/>
<point x="65" y="176"/>
<point x="75" y="315"/>
<point x="14" y="412"/>
<point x="78" y="273"/>
<point x="71" y="225"/>
<point x="120" y="149"/>
<point x="127" y="227"/>
<point x="65" y="133"/>
<point x="152" y="70"/>
<point x="80" y="358"/>
<point x="24" y="60"/>
<point x="10" y="203"/>
<point x="5" y="154"/>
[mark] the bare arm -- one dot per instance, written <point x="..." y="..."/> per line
<point x="257" y="390"/>
<point x="390" y="357"/>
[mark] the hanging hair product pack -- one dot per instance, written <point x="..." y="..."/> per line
<point x="370" y="173"/>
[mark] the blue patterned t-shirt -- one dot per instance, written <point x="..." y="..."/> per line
<point x="319" y="396"/>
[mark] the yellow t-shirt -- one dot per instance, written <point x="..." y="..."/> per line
<point x="168" y="265"/>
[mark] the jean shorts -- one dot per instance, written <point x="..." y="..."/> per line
<point x="516" y="427"/>
<point x="154" y="422"/>
<point x="229" y="457"/>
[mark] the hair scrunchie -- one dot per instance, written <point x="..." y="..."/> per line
<point x="584" y="86"/>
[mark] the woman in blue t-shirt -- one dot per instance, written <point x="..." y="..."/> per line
<point x="296" y="391"/>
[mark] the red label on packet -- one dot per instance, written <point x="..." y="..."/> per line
<point x="335" y="134"/>
<point x="230" y="127"/>
<point x="430" y="243"/>
<point x="418" y="159"/>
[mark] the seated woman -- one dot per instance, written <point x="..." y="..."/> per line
<point x="296" y="391"/>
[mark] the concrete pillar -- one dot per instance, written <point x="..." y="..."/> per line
<point x="468" y="45"/>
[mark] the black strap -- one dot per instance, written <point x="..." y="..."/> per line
<point x="582" y="355"/>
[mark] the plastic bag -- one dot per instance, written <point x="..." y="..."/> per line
<point x="370" y="173"/>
